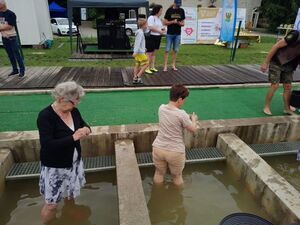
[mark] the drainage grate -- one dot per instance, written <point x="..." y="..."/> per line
<point x="107" y="162"/>
<point x="192" y="156"/>
<point x="32" y="169"/>
<point x="281" y="148"/>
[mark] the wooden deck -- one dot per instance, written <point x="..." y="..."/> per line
<point x="96" y="77"/>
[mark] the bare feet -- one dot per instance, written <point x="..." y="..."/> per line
<point x="289" y="112"/>
<point x="165" y="69"/>
<point x="292" y="108"/>
<point x="267" y="111"/>
<point x="174" y="68"/>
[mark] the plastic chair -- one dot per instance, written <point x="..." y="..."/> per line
<point x="244" y="219"/>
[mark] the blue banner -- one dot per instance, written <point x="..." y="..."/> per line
<point x="229" y="11"/>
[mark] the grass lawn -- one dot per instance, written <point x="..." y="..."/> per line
<point x="188" y="55"/>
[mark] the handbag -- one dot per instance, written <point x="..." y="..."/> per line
<point x="295" y="99"/>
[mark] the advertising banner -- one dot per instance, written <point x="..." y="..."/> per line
<point x="229" y="12"/>
<point x="189" y="30"/>
<point x="208" y="25"/>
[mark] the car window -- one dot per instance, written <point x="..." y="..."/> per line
<point x="63" y="22"/>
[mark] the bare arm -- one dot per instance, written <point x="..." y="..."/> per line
<point x="280" y="44"/>
<point x="4" y="27"/>
<point x="193" y="127"/>
<point x="155" y="29"/>
<point x="169" y="22"/>
<point x="181" y="23"/>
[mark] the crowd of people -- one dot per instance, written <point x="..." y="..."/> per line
<point x="153" y="29"/>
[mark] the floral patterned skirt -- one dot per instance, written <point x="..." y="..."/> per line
<point x="59" y="183"/>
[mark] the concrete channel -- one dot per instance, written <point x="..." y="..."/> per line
<point x="232" y="137"/>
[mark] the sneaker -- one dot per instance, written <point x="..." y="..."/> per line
<point x="140" y="81"/>
<point x="153" y="70"/>
<point x="13" y="73"/>
<point x="21" y="75"/>
<point x="135" y="81"/>
<point x="148" y="71"/>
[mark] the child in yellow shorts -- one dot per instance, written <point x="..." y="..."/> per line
<point x="139" y="52"/>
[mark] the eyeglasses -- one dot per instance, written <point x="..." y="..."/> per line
<point x="74" y="102"/>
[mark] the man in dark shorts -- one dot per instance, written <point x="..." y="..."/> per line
<point x="8" y="23"/>
<point x="282" y="60"/>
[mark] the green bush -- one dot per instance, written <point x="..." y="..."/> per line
<point x="279" y="12"/>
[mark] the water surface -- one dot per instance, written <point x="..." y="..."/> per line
<point x="288" y="167"/>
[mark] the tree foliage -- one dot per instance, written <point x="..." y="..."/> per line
<point x="279" y="12"/>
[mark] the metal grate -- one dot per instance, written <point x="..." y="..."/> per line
<point x="192" y="156"/>
<point x="32" y="169"/>
<point x="281" y="148"/>
<point x="107" y="162"/>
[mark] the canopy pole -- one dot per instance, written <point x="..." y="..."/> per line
<point x="70" y="17"/>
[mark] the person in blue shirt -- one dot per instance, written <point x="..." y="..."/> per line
<point x="8" y="23"/>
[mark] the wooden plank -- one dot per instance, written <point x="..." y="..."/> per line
<point x="44" y="83"/>
<point x="125" y="77"/>
<point x="132" y="203"/>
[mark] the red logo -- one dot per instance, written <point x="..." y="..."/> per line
<point x="189" y="31"/>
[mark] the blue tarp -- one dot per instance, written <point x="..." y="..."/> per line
<point x="54" y="7"/>
<point x="57" y="11"/>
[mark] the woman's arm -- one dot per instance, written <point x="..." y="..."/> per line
<point x="46" y="131"/>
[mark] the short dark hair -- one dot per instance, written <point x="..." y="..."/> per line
<point x="178" y="91"/>
<point x="155" y="9"/>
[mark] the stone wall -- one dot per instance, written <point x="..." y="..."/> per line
<point x="280" y="199"/>
<point x="25" y="145"/>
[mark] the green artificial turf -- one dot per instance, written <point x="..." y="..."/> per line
<point x="19" y="112"/>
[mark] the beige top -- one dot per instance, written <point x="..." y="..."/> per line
<point x="172" y="122"/>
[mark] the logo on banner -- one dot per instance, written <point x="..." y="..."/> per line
<point x="189" y="31"/>
<point x="228" y="17"/>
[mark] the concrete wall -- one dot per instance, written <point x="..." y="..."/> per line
<point x="280" y="199"/>
<point x="25" y="145"/>
<point x="6" y="162"/>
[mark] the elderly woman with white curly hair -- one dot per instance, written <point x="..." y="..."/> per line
<point x="61" y="128"/>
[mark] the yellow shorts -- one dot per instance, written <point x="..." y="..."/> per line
<point x="141" y="59"/>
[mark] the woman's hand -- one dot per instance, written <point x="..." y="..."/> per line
<point x="194" y="117"/>
<point x="81" y="133"/>
<point x="87" y="130"/>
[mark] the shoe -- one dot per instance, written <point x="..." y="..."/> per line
<point x="140" y="81"/>
<point x="289" y="112"/>
<point x="13" y="73"/>
<point x="135" y="81"/>
<point x="148" y="71"/>
<point x="267" y="113"/>
<point x="153" y="70"/>
<point x="21" y="75"/>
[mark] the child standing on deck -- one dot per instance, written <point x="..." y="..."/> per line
<point x="141" y="59"/>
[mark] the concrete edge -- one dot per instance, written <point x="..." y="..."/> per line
<point x="99" y="90"/>
<point x="6" y="162"/>
<point x="132" y="203"/>
<point x="279" y="198"/>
